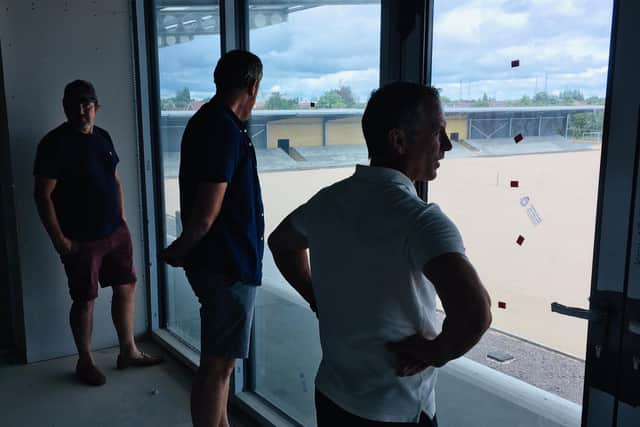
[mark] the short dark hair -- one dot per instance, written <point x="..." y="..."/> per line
<point x="398" y="105"/>
<point x="78" y="92"/>
<point x="237" y="69"/>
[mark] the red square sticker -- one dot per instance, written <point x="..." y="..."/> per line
<point x="502" y="304"/>
<point x="515" y="63"/>
<point x="515" y="184"/>
<point x="520" y="240"/>
<point x="518" y="138"/>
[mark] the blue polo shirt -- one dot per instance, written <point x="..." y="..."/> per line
<point x="86" y="198"/>
<point x="216" y="148"/>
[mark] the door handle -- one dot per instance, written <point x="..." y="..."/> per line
<point x="634" y="327"/>
<point x="593" y="314"/>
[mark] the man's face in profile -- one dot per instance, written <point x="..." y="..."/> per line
<point x="429" y="144"/>
<point x="254" y="95"/>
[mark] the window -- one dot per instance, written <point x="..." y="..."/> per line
<point x="321" y="62"/>
<point x="523" y="87"/>
<point x="188" y="49"/>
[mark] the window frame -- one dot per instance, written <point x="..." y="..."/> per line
<point x="405" y="54"/>
<point x="235" y="35"/>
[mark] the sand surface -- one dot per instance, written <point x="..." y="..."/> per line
<point x="553" y="264"/>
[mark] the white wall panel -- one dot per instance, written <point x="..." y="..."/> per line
<point x="46" y="44"/>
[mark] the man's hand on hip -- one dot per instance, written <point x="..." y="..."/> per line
<point x="414" y="354"/>
<point x="174" y="255"/>
<point x="65" y="246"/>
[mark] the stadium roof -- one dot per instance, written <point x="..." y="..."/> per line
<point x="342" y="112"/>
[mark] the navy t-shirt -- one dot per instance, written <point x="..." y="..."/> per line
<point x="85" y="198"/>
<point x="216" y="148"/>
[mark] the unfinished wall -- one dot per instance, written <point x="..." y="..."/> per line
<point x="46" y="44"/>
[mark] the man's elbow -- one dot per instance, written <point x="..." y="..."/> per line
<point x="285" y="240"/>
<point x="272" y="242"/>
<point x="39" y="196"/>
<point x="487" y="318"/>
<point x="277" y="245"/>
<point x="204" y="224"/>
<point x="477" y="320"/>
<point x="483" y="319"/>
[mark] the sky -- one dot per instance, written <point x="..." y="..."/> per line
<point x="561" y="44"/>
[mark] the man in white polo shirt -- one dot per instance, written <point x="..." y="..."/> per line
<point x="379" y="255"/>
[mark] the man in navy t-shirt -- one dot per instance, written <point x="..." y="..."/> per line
<point x="222" y="243"/>
<point x="80" y="202"/>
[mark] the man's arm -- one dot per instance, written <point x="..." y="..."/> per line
<point x="289" y="249"/>
<point x="120" y="197"/>
<point x="466" y="303"/>
<point x="42" y="194"/>
<point x="468" y="313"/>
<point x="206" y="209"/>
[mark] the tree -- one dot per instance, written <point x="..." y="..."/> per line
<point x="485" y="101"/>
<point x="338" y="98"/>
<point x="525" y="100"/>
<point x="581" y="125"/>
<point x="183" y="97"/>
<point x="594" y="100"/>
<point x="543" y="98"/>
<point x="182" y="101"/>
<point x="331" y="99"/>
<point x="167" y="104"/>
<point x="347" y="96"/>
<point x="445" y="99"/>
<point x="278" y="102"/>
<point x="569" y="97"/>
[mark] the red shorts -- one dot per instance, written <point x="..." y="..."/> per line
<point x="107" y="261"/>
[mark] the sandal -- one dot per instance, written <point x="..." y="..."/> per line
<point x="90" y="374"/>
<point x="143" y="360"/>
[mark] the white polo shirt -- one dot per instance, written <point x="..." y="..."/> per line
<point x="369" y="238"/>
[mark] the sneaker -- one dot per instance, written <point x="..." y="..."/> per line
<point x="143" y="360"/>
<point x="89" y="373"/>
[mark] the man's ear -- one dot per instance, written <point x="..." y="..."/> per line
<point x="397" y="141"/>
<point x="253" y="89"/>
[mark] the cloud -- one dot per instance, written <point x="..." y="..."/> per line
<point x="476" y="22"/>
<point x="562" y="42"/>
<point x="320" y="49"/>
<point x="310" y="88"/>
<point x="475" y="41"/>
<point x="189" y="65"/>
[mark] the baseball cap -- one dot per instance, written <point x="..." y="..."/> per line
<point x="79" y="91"/>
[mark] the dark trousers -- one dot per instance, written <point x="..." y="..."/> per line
<point x="329" y="414"/>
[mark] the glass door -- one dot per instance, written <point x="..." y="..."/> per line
<point x="321" y="61"/>
<point x="613" y="353"/>
<point x="187" y="48"/>
<point x="524" y="84"/>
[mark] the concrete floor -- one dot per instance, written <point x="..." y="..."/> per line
<point x="47" y="394"/>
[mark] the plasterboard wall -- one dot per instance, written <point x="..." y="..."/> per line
<point x="46" y="44"/>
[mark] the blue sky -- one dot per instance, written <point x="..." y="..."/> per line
<point x="561" y="44"/>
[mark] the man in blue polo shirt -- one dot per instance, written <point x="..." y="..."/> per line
<point x="221" y="245"/>
<point x="80" y="202"/>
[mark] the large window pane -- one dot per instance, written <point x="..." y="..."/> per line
<point x="188" y="49"/>
<point x="321" y="61"/>
<point x="523" y="85"/>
